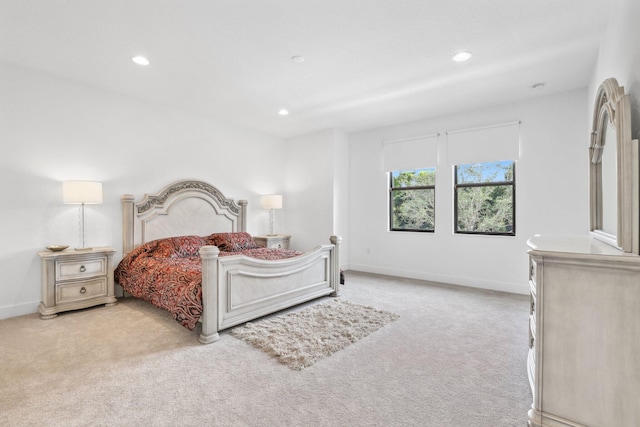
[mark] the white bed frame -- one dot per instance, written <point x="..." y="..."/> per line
<point x="235" y="289"/>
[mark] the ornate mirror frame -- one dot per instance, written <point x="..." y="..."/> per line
<point x="612" y="109"/>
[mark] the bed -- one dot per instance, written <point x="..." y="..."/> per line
<point x="233" y="286"/>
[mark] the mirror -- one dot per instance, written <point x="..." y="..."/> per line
<point x="614" y="171"/>
<point x="609" y="175"/>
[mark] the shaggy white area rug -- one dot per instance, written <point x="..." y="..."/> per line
<point x="299" y="339"/>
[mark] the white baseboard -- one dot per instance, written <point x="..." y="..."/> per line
<point x="472" y="282"/>
<point x="515" y="288"/>
<point x="18" y="310"/>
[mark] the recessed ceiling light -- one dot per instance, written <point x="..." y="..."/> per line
<point x="298" y="59"/>
<point x="538" y="86"/>
<point x="140" y="60"/>
<point x="283" y="112"/>
<point x="462" y="56"/>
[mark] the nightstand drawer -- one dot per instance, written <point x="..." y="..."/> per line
<point x="78" y="269"/>
<point x="279" y="241"/>
<point x="78" y="291"/>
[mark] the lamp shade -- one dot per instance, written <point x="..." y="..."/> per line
<point x="272" y="201"/>
<point x="82" y="192"/>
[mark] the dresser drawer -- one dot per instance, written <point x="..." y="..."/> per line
<point x="532" y="331"/>
<point x="533" y="271"/>
<point x="79" y="269"/>
<point x="531" y="370"/>
<point x="532" y="304"/>
<point x="533" y="288"/>
<point x="78" y="291"/>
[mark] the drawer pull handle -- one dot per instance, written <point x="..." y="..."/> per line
<point x="83" y="290"/>
<point x="83" y="269"/>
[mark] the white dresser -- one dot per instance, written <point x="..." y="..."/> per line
<point x="584" y="358"/>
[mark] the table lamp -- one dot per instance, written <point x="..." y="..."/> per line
<point x="82" y="193"/>
<point x="271" y="202"/>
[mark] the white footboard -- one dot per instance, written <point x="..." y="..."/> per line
<point x="237" y="289"/>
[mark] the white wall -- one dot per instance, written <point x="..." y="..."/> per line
<point x="619" y="57"/>
<point x="341" y="193"/>
<point x="316" y="189"/>
<point x="551" y="197"/>
<point x="54" y="130"/>
<point x="308" y="198"/>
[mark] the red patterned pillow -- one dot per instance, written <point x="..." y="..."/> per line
<point x="178" y="247"/>
<point x="232" y="242"/>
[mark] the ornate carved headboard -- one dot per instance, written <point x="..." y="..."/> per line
<point x="187" y="207"/>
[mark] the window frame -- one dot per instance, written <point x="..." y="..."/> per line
<point x="392" y="189"/>
<point x="511" y="184"/>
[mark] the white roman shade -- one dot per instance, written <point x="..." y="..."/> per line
<point x="408" y="154"/>
<point x="484" y="144"/>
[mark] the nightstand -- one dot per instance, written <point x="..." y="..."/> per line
<point x="278" y="241"/>
<point x="74" y="279"/>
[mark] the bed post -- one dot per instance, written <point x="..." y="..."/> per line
<point x="242" y="219"/>
<point x="335" y="265"/>
<point x="209" y="257"/>
<point x="127" y="223"/>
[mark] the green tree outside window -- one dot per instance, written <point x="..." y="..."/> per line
<point x="412" y="200"/>
<point x="485" y="198"/>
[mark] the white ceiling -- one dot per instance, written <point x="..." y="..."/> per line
<point x="368" y="63"/>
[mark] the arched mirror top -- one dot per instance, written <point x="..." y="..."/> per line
<point x="614" y="176"/>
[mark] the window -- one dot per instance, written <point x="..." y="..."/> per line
<point x="485" y="198"/>
<point x="412" y="200"/>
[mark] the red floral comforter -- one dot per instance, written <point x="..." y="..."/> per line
<point x="168" y="272"/>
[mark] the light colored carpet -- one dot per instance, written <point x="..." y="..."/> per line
<point x="455" y="357"/>
<point x="300" y="339"/>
